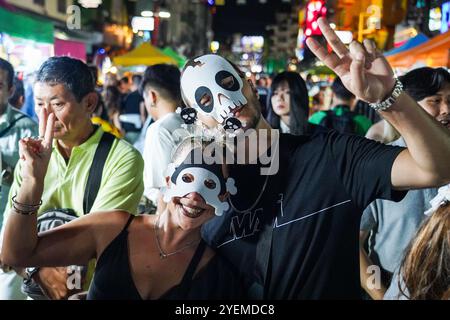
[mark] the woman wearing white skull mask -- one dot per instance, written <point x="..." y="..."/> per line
<point x="143" y="257"/>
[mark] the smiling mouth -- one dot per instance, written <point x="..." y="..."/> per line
<point x="189" y="212"/>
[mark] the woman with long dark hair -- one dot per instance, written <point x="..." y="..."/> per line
<point x="288" y="103"/>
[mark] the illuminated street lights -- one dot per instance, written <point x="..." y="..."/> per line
<point x="90" y="3"/>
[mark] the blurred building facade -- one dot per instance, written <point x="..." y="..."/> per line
<point x="188" y="30"/>
<point x="55" y="9"/>
<point x="283" y="40"/>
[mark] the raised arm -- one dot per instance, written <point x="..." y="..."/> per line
<point x="22" y="246"/>
<point x="368" y="75"/>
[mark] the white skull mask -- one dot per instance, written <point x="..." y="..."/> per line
<point x="212" y="86"/>
<point x="204" y="182"/>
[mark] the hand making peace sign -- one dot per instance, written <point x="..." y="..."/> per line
<point x="36" y="152"/>
<point x="363" y="69"/>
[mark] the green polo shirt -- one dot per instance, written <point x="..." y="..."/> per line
<point x="121" y="186"/>
<point x="9" y="144"/>
<point x="362" y="123"/>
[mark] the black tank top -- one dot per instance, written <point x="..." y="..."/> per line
<point x="113" y="281"/>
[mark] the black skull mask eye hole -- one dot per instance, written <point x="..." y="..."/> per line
<point x="210" y="184"/>
<point x="204" y="98"/>
<point x="227" y="81"/>
<point x="187" y="178"/>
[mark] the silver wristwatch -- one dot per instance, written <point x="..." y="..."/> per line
<point x="29" y="273"/>
<point x="386" y="104"/>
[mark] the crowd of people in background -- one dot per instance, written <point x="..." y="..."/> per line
<point x="410" y="249"/>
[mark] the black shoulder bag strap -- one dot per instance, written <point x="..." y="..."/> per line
<point x="96" y="171"/>
<point x="263" y="259"/>
<point x="264" y="248"/>
<point x="4" y="131"/>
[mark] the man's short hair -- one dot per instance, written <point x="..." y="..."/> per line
<point x="74" y="74"/>
<point x="424" y="82"/>
<point x="164" y="78"/>
<point x="6" y="66"/>
<point x="340" y="91"/>
<point x="94" y="72"/>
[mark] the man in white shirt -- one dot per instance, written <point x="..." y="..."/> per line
<point x="161" y="91"/>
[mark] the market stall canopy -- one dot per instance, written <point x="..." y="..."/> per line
<point x="181" y="60"/>
<point x="432" y="53"/>
<point x="18" y="25"/>
<point x="145" y="54"/>
<point x="411" y="43"/>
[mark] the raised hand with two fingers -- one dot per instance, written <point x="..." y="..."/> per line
<point x="36" y="151"/>
<point x="362" y="67"/>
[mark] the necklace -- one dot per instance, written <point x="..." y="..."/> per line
<point x="254" y="203"/>
<point x="164" y="255"/>
<point x="260" y="194"/>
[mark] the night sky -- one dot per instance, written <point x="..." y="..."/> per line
<point x="250" y="19"/>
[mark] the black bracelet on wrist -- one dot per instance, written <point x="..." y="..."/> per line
<point x="24" y="212"/>
<point x="31" y="206"/>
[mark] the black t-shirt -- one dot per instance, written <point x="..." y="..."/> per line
<point x="301" y="240"/>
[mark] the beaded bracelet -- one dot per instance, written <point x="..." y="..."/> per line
<point x="23" y="212"/>
<point x="34" y="206"/>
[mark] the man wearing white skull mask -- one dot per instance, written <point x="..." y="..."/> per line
<point x="138" y="257"/>
<point x="294" y="234"/>
<point x="217" y="90"/>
